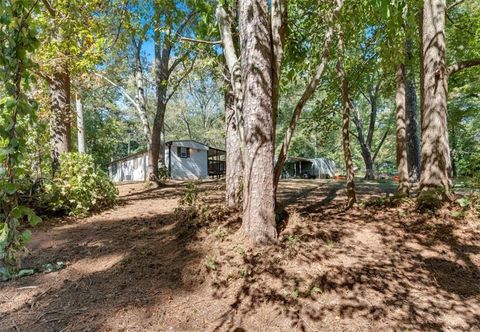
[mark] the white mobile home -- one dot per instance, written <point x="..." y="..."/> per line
<point x="185" y="160"/>
<point x="297" y="167"/>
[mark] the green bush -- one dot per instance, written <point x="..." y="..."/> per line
<point x="78" y="187"/>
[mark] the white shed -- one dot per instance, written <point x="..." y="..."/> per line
<point x="185" y="160"/>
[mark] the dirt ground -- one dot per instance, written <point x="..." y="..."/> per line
<point x="140" y="267"/>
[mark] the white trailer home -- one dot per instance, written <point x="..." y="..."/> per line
<point x="185" y="160"/>
<point x="315" y="168"/>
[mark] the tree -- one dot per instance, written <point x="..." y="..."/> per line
<point x="435" y="151"/>
<point x="234" y="163"/>
<point x="235" y="138"/>
<point x="307" y="94"/>
<point x="411" y="111"/>
<point x="170" y="23"/>
<point x="366" y="143"/>
<point x="351" y="196"/>
<point x="80" y="123"/>
<point x="17" y="111"/>
<point x="71" y="30"/>
<point x="258" y="117"/>
<point x="402" y="160"/>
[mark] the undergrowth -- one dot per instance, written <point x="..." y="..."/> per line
<point x="78" y="187"/>
<point x="195" y="211"/>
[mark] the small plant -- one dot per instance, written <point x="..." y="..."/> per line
<point x="468" y="202"/>
<point x="241" y="251"/>
<point x="211" y="263"/>
<point x="314" y="290"/>
<point x="245" y="272"/>
<point x="220" y="234"/>
<point x="195" y="211"/>
<point x="330" y="244"/>
<point x="190" y="195"/>
<point x="295" y="293"/>
<point x="291" y="243"/>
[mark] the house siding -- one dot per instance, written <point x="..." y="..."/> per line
<point x="134" y="168"/>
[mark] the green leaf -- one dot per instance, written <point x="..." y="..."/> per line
<point x="463" y="202"/>
<point x="25" y="236"/>
<point x="9" y="188"/>
<point x="25" y="272"/>
<point x="35" y="220"/>
<point x="3" y="233"/>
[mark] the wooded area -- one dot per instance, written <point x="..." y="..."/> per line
<point x="208" y="103"/>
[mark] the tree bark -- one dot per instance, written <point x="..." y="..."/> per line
<point x="278" y="14"/>
<point x="435" y="151"/>
<point x="351" y="196"/>
<point x="61" y="117"/>
<point x="402" y="162"/>
<point x="234" y="165"/>
<point x="235" y="138"/>
<point x="413" y="141"/>
<point x="162" y="75"/>
<point x="258" y="195"/>
<point x="364" y="146"/>
<point x="463" y="65"/>
<point x="80" y="124"/>
<point x="233" y="64"/>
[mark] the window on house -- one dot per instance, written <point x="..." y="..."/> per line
<point x="183" y="152"/>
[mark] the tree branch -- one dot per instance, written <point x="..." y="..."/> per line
<point x="462" y="65"/>
<point x="380" y="144"/>
<point x="122" y="90"/>
<point x="456" y="3"/>
<point x="49" y="8"/>
<point x="185" y="74"/>
<point x="200" y="41"/>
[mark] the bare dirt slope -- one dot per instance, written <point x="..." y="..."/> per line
<point x="140" y="267"/>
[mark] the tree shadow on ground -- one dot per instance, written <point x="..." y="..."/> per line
<point x="359" y="270"/>
<point x="112" y="265"/>
<point x="331" y="270"/>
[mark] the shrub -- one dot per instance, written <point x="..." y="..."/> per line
<point x="78" y="187"/>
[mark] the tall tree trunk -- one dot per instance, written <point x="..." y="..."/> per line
<point x="351" y="196"/>
<point x="162" y="76"/>
<point x="400" y="100"/>
<point x="278" y="16"/>
<point x="61" y="117"/>
<point x="435" y="151"/>
<point x="364" y="146"/>
<point x="233" y="64"/>
<point x="234" y="171"/>
<point x="80" y="124"/>
<point x="157" y="152"/>
<point x="258" y="194"/>
<point x="142" y="104"/>
<point x="454" y="152"/>
<point x="233" y="111"/>
<point x="413" y="141"/>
